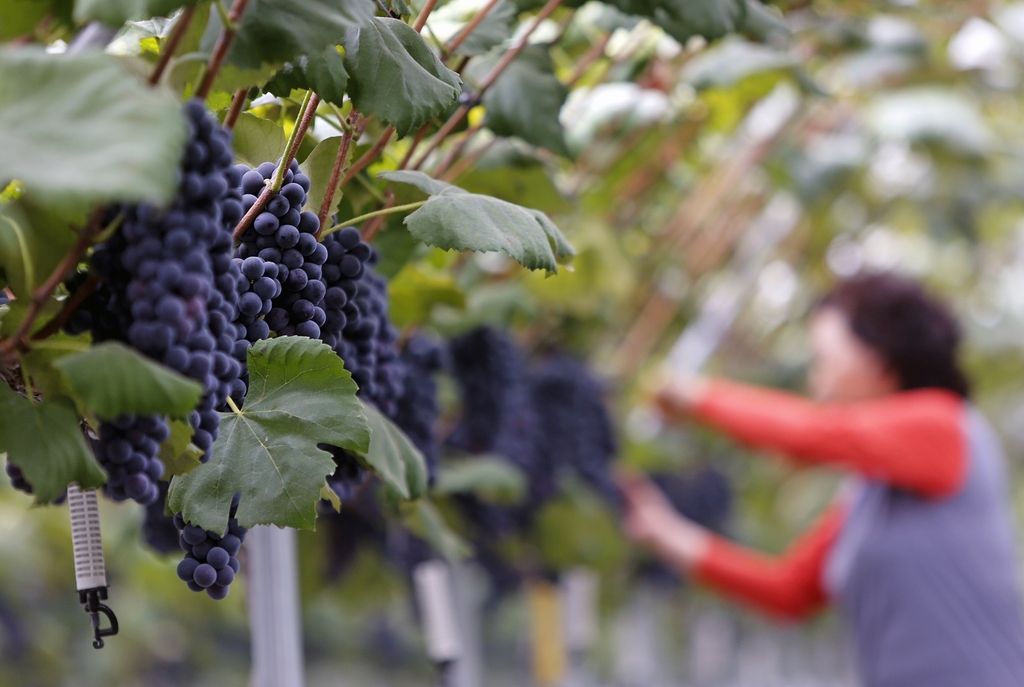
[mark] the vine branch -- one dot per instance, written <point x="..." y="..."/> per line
<point x="171" y="44"/>
<point x="421" y="19"/>
<point x="42" y="294"/>
<point x="302" y="121"/>
<point x="369" y="156"/>
<point x="339" y="163"/>
<point x="237" y="105"/>
<point x="488" y="81"/>
<point x="220" y="50"/>
<point x="469" y="28"/>
<point x="72" y="304"/>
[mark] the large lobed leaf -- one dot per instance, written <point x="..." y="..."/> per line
<point x="526" y="100"/>
<point x="394" y="75"/>
<point x="279" y="31"/>
<point x="80" y="130"/>
<point x="300" y="395"/>
<point x="32" y="244"/>
<point x="47" y="443"/>
<point x="454" y="219"/>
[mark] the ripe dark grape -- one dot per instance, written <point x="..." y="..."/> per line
<point x="417" y="409"/>
<point x="128" y="448"/>
<point x="19" y="482"/>
<point x="210" y="561"/>
<point x="576" y="429"/>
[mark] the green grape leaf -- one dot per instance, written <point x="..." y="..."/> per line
<point x="323" y="72"/>
<point x="300" y="395"/>
<point x="424" y="520"/>
<point x="117" y="12"/>
<point x="526" y="100"/>
<point x="77" y="131"/>
<point x="494" y="30"/>
<point x="454" y="219"/>
<point x="112" y="379"/>
<point x="38" y="362"/>
<point x="178" y="453"/>
<point x="47" y="443"/>
<point x="415" y="290"/>
<point x="492" y="477"/>
<point x="393" y="457"/>
<point x="279" y="31"/>
<point x="32" y="244"/>
<point x="683" y="19"/>
<point x="258" y="140"/>
<point x="394" y="75"/>
<point x="318" y="166"/>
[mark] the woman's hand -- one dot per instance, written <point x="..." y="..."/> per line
<point x="679" y="394"/>
<point x="652" y="521"/>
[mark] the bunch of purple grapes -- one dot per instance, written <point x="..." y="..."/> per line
<point x="161" y="293"/>
<point x="210" y="561"/>
<point x="576" y="433"/>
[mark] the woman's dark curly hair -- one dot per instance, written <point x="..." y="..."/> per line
<point x="916" y="334"/>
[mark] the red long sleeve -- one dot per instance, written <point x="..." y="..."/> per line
<point x="913" y="440"/>
<point x="789" y="586"/>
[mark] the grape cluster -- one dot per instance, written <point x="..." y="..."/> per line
<point x="210" y="561"/>
<point x="19" y="482"/>
<point x="576" y="430"/>
<point x="283" y="236"/>
<point x="128" y="448"/>
<point x="417" y="409"/>
<point x="497" y="413"/>
<point x="161" y="292"/>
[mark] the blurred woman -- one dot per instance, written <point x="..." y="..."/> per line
<point x="917" y="549"/>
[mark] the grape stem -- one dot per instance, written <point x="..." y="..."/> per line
<point x="237" y="105"/>
<point x="220" y="50"/>
<point x="488" y="81"/>
<point x="469" y="28"/>
<point x="375" y="213"/>
<point x="171" y="44"/>
<point x="70" y="306"/>
<point x="231" y="404"/>
<point x="369" y="156"/>
<point x="421" y="19"/>
<point x="339" y="162"/>
<point x="42" y="294"/>
<point x="305" y="115"/>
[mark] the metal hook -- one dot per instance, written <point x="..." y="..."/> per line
<point x="91" y="598"/>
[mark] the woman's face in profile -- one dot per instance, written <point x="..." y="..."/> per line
<point x="843" y="367"/>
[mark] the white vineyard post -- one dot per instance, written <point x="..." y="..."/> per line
<point x="579" y="589"/>
<point x="272" y="585"/>
<point x="433" y="584"/>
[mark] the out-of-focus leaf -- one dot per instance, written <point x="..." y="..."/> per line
<point x="526" y="100"/>
<point x="931" y="115"/>
<point x="117" y="12"/>
<point x="79" y="131"/>
<point x="112" y="379"/>
<point x="414" y="291"/>
<point x="47" y="443"/>
<point x="732" y="60"/>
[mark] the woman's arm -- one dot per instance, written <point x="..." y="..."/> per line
<point x="788" y="586"/>
<point x="913" y="440"/>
